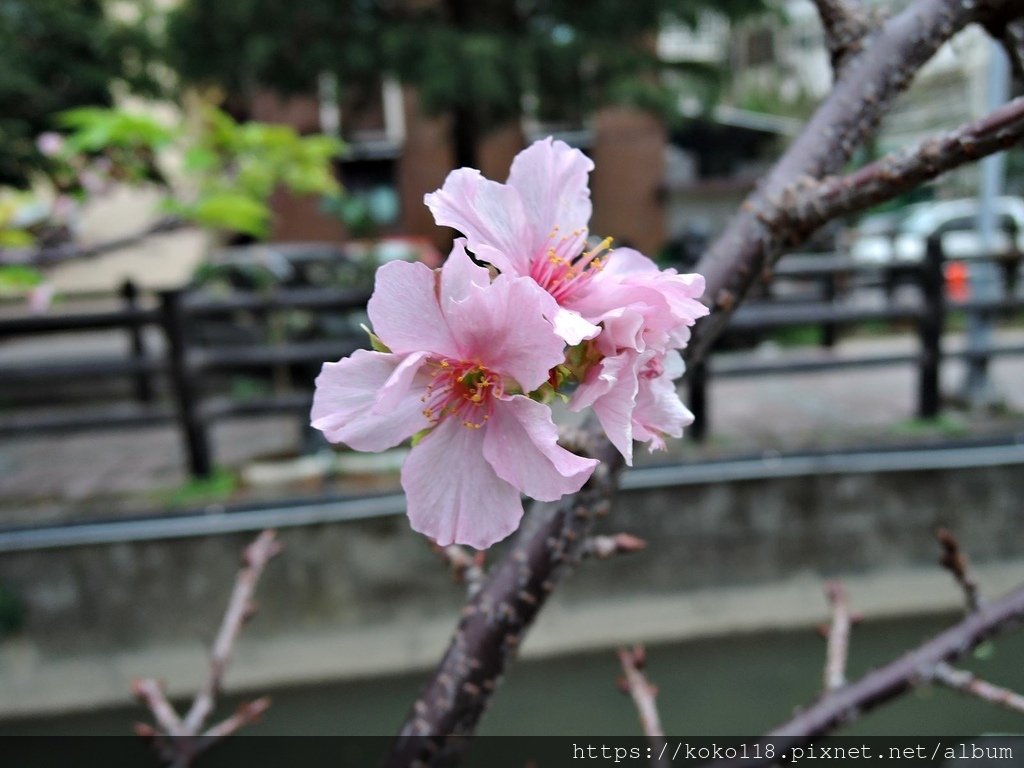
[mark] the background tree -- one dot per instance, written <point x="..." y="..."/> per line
<point x="479" y="60"/>
<point x="60" y="54"/>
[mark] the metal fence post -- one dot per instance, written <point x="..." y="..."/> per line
<point x="183" y="384"/>
<point x="697" y="377"/>
<point x="930" y="330"/>
<point x="828" y="330"/>
<point x="143" y="382"/>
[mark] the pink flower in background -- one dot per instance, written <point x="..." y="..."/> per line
<point x="50" y="143"/>
<point x="463" y="350"/>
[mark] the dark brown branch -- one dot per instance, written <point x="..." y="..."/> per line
<point x="807" y="206"/>
<point x="955" y="561"/>
<point x="603" y="547"/>
<point x="838" y="636"/>
<point x="864" y="91"/>
<point x="635" y="684"/>
<point x="971" y="685"/>
<point x="56" y="254"/>
<point x="846" y="25"/>
<point x="845" y="704"/>
<point x="494" y="621"/>
<point x="176" y="740"/>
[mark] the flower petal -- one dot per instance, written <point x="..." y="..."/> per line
<point x="489" y="214"/>
<point x="611" y="389"/>
<point x="551" y="178"/>
<point x="521" y="444"/>
<point x="506" y="327"/>
<point x="459" y="273"/>
<point x="346" y="392"/>
<point x="572" y="326"/>
<point x="659" y="412"/>
<point x="453" y="495"/>
<point x="404" y="310"/>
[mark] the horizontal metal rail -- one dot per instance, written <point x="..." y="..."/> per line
<point x="966" y="455"/>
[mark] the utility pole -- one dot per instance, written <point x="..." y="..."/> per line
<point x="979" y="391"/>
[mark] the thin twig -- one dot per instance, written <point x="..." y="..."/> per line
<point x="247" y="713"/>
<point x="240" y="609"/>
<point x="955" y="561"/>
<point x="466" y="567"/>
<point x="151" y="693"/>
<point x="644" y="694"/>
<point x="604" y="547"/>
<point x="844" y="705"/>
<point x="971" y="685"/>
<point x="56" y="254"/>
<point x="838" y="636"/>
<point x="176" y="740"/>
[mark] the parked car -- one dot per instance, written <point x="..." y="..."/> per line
<point x="896" y="241"/>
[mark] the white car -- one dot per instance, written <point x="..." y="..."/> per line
<point x="896" y="242"/>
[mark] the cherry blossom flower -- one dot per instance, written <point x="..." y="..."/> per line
<point x="464" y="353"/>
<point x="630" y="313"/>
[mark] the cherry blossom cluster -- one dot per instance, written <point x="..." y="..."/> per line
<point x="469" y="358"/>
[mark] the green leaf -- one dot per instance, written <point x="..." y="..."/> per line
<point x="375" y="342"/>
<point x="15" y="238"/>
<point x="232" y="211"/>
<point x="15" y="280"/>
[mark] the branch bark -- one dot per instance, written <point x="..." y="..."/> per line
<point x="57" y="254"/>
<point x="494" y="622"/>
<point x="179" y="740"/>
<point x="955" y="561"/>
<point x="971" y="685"/>
<point x="838" y="636"/>
<point x="644" y="693"/>
<point x="496" y="619"/>
<point x="844" y="705"/>
<point x="864" y="91"/>
<point x="846" y="25"/>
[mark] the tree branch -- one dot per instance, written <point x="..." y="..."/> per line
<point x="838" y="636"/>
<point x="846" y="25"/>
<point x="971" y="685"/>
<point x="604" y="547"/>
<point x="466" y="567"/>
<point x="56" y="254"/>
<point x="845" y="704"/>
<point x="955" y="561"/>
<point x="178" y="741"/>
<point x="864" y="91"/>
<point x="807" y="205"/>
<point x="635" y="684"/>
<point x="495" y="620"/>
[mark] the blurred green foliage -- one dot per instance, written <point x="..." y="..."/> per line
<point x="480" y="56"/>
<point x="59" y="54"/>
<point x="231" y="168"/>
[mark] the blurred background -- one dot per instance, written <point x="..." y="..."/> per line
<point x="194" y="196"/>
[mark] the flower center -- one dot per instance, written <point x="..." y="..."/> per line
<point x="462" y="389"/>
<point x="564" y="268"/>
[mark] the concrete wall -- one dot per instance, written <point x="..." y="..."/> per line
<point x="378" y="572"/>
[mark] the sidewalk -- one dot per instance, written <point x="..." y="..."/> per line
<point x="50" y="478"/>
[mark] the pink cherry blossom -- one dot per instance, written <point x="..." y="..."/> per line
<point x="633" y="314"/>
<point x="464" y="350"/>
